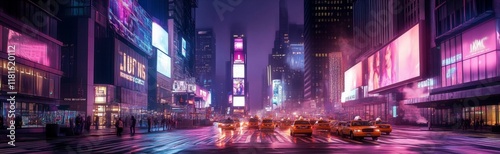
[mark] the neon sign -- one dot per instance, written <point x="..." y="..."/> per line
<point x="478" y="45"/>
<point x="131" y="69"/>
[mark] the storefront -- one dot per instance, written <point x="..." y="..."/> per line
<point x="37" y="78"/>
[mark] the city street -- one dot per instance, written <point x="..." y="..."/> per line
<point x="403" y="139"/>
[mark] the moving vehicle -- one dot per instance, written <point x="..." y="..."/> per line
<point x="227" y="124"/>
<point x="384" y="127"/>
<point x="322" y="125"/>
<point x="253" y="123"/>
<point x="237" y="123"/>
<point x="336" y="127"/>
<point x="301" y="127"/>
<point x="360" y="129"/>
<point x="267" y="124"/>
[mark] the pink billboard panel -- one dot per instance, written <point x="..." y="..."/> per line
<point x="353" y="77"/>
<point x="28" y="48"/>
<point x="238" y="44"/>
<point x="478" y="40"/>
<point x="239" y="57"/>
<point x="396" y="62"/>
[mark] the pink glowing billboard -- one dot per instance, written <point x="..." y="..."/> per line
<point x="238" y="44"/>
<point x="353" y="77"/>
<point x="28" y="48"/>
<point x="239" y="57"/>
<point x="131" y="22"/>
<point x="479" y="40"/>
<point x="396" y="62"/>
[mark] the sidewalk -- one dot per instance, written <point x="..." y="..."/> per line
<point x="471" y="131"/>
<point x="35" y="134"/>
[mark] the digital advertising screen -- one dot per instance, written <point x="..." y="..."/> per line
<point x="479" y="40"/>
<point x="277" y="92"/>
<point x="353" y="77"/>
<point x="28" y="48"/>
<point x="238" y="45"/>
<point x="239" y="58"/>
<point x="131" y="67"/>
<point x="238" y="101"/>
<point x="160" y="38"/>
<point x="238" y="87"/>
<point x="132" y="22"/>
<point x="164" y="64"/>
<point x="184" y="47"/>
<point x="238" y="71"/>
<point x="396" y="62"/>
<point x="179" y="86"/>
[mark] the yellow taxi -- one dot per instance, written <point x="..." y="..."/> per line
<point x="227" y="124"/>
<point x="360" y="129"/>
<point x="384" y="127"/>
<point x="253" y="123"/>
<point x="322" y="125"/>
<point x="301" y="127"/>
<point x="267" y="124"/>
<point x="237" y="123"/>
<point x="336" y="127"/>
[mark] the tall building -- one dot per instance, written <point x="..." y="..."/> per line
<point x="327" y="28"/>
<point x="391" y="61"/>
<point x="181" y="28"/>
<point x="239" y="82"/>
<point x="205" y="59"/>
<point x="35" y="77"/>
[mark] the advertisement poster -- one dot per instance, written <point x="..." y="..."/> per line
<point x="239" y="87"/>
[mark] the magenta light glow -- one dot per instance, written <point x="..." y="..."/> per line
<point x="478" y="40"/>
<point x="396" y="62"/>
<point x="238" y="44"/>
<point x="28" y="48"/>
<point x="239" y="57"/>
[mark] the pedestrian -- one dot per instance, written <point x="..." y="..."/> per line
<point x="71" y="126"/>
<point x="78" y="122"/>
<point x="96" y="122"/>
<point x="120" y="126"/>
<point x="132" y="126"/>
<point x="481" y="123"/>
<point x="163" y="123"/>
<point x="149" y="124"/>
<point x="88" y="123"/>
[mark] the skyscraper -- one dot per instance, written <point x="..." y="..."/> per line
<point x="205" y="59"/>
<point x="328" y="25"/>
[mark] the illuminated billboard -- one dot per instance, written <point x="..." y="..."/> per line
<point x="238" y="87"/>
<point x="277" y="92"/>
<point x="353" y="77"/>
<point x="239" y="58"/>
<point x="163" y="64"/>
<point x="28" y="48"/>
<point x="131" y="67"/>
<point x="238" y="101"/>
<point x="179" y="86"/>
<point x="238" y="71"/>
<point x="160" y="38"/>
<point x="396" y="62"/>
<point x="238" y="44"/>
<point x="478" y="40"/>
<point x="184" y="47"/>
<point x="132" y="22"/>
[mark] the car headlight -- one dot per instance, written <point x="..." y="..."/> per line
<point x="357" y="130"/>
<point x="377" y="130"/>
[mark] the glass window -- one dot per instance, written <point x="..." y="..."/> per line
<point x="491" y="64"/>
<point x="443" y="76"/>
<point x="452" y="51"/>
<point x="443" y="55"/>
<point x="458" y="48"/>
<point x="466" y="73"/>
<point x="482" y="66"/>
<point x="474" y="69"/>
<point x="453" y="72"/>
<point x="449" y="73"/>
<point x="459" y="73"/>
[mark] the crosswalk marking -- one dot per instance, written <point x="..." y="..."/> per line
<point x="279" y="138"/>
<point x="258" y="139"/>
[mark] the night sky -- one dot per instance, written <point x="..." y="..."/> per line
<point x="259" y="20"/>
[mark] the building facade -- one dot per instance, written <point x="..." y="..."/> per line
<point x="238" y="56"/>
<point x="35" y="78"/>
<point x="327" y="28"/>
<point x="205" y="59"/>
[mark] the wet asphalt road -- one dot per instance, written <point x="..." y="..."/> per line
<point x="251" y="141"/>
